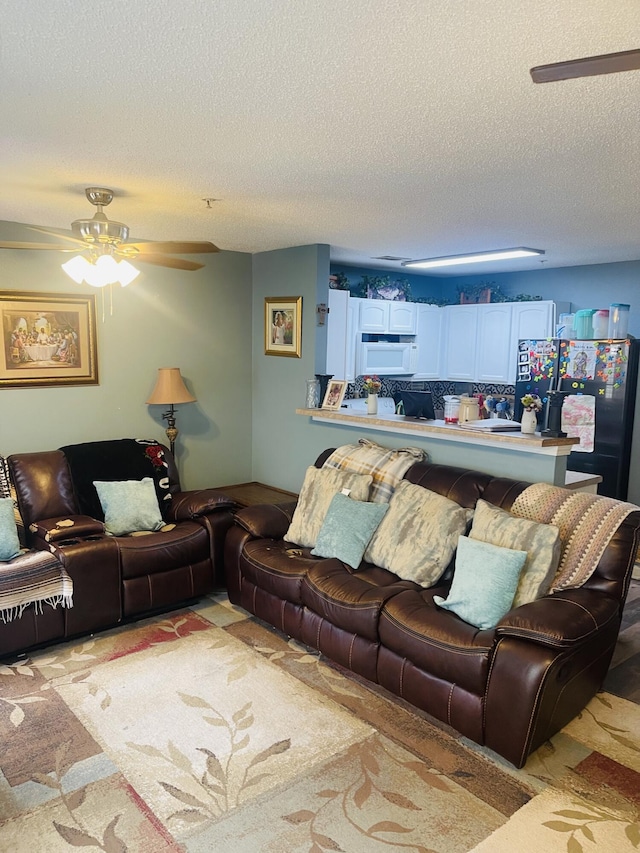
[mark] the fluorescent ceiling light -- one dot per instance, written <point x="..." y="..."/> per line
<point x="474" y="258"/>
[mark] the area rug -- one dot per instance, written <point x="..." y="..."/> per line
<point x="206" y="730"/>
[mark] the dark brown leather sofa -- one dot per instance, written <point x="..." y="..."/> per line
<point x="114" y="577"/>
<point x="510" y="688"/>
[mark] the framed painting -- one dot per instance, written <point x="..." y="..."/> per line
<point x="283" y="325"/>
<point x="48" y="339"/>
<point x="334" y="394"/>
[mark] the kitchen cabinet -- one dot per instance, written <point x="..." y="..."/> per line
<point x="534" y="320"/>
<point x="341" y="335"/>
<point x="495" y="356"/>
<point x="482" y="340"/>
<point x="461" y="334"/>
<point x="430" y="341"/>
<point x="382" y="317"/>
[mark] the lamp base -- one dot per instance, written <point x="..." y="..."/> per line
<point x="172" y="429"/>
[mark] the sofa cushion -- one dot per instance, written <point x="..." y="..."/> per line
<point x="347" y="528"/>
<point x="9" y="541"/>
<point x="129" y="505"/>
<point x="484" y="582"/>
<point x="417" y="537"/>
<point x="541" y="542"/>
<point x="172" y="547"/>
<point x="435" y="641"/>
<point x="318" y="488"/>
<point x="348" y="600"/>
<point x="277" y="567"/>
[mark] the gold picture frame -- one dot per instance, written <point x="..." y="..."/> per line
<point x="48" y="339"/>
<point x="283" y="326"/>
<point x="334" y="394"/>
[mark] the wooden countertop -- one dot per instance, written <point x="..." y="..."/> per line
<point x="441" y="431"/>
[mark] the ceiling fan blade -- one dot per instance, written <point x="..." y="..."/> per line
<point x="175" y="247"/>
<point x="165" y="261"/>
<point x="52" y="247"/>
<point x="66" y="237"/>
<point x="590" y="66"/>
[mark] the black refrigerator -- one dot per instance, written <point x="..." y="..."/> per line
<point x="600" y="378"/>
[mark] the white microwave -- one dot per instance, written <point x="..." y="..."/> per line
<point x="386" y="359"/>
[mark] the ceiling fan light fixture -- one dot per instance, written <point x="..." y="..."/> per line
<point x="76" y="268"/>
<point x="126" y="273"/>
<point x="100" y="272"/>
<point x="474" y="258"/>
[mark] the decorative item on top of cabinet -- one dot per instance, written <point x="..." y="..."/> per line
<point x="477" y="294"/>
<point x="383" y="287"/>
<point x="338" y="281"/>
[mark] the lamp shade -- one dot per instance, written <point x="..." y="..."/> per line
<point x="170" y="388"/>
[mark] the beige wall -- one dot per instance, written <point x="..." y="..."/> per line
<point x="197" y="321"/>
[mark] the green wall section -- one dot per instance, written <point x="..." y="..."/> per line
<point x="197" y="321"/>
<point x="210" y="324"/>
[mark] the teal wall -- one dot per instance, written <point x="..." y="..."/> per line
<point x="197" y="321"/>
<point x="211" y="324"/>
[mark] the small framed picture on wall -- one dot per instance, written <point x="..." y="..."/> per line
<point x="283" y="326"/>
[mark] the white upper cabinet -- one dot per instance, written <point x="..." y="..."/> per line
<point x="382" y="317"/>
<point x="495" y="359"/>
<point x="341" y="336"/>
<point x="430" y="340"/>
<point x="402" y="318"/>
<point x="532" y="320"/>
<point x="482" y="340"/>
<point x="463" y="343"/>
<point x="461" y="335"/>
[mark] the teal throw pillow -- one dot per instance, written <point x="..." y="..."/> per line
<point x="347" y="528"/>
<point x="9" y="542"/>
<point x="484" y="582"/>
<point x="129" y="505"/>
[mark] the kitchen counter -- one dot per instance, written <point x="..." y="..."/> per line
<point x="509" y="454"/>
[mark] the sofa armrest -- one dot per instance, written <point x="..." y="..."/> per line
<point x="562" y="620"/>
<point x="67" y="527"/>
<point x="188" y="505"/>
<point x="266" y="521"/>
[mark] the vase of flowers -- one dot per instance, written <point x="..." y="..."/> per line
<point x="529" y="420"/>
<point x="372" y="387"/>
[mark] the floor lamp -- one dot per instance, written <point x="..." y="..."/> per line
<point x="170" y="391"/>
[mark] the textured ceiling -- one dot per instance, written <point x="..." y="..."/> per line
<point x="382" y="127"/>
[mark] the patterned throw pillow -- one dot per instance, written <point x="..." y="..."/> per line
<point x="540" y="541"/>
<point x="129" y="505"/>
<point x="347" y="528"/>
<point x="318" y="488"/>
<point x="417" y="537"/>
<point x="484" y="582"/>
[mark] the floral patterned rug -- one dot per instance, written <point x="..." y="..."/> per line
<point x="205" y="730"/>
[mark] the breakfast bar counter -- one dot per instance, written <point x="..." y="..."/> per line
<point x="509" y="454"/>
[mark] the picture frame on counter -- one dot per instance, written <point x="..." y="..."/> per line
<point x="283" y="326"/>
<point x="334" y="394"/>
<point x="49" y="339"/>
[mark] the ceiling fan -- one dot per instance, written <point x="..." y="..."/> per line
<point x="103" y="243"/>
<point x="590" y="66"/>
